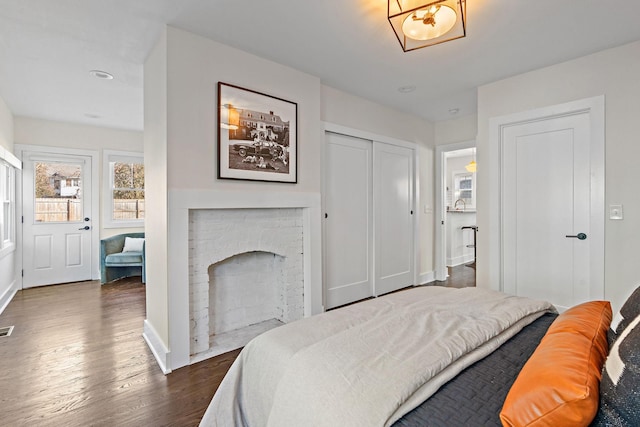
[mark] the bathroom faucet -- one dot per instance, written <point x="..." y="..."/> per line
<point x="455" y="205"/>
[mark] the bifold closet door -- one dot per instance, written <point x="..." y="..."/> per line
<point x="348" y="223"/>
<point x="393" y="217"/>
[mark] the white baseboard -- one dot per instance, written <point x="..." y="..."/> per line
<point x="7" y="296"/>
<point x="160" y="352"/>
<point x="428" y="277"/>
<point x="459" y="260"/>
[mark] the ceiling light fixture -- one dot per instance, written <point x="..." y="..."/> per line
<point x="422" y="23"/>
<point x="101" y="75"/>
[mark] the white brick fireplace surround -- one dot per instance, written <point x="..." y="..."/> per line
<point x="273" y="256"/>
<point x="246" y="275"/>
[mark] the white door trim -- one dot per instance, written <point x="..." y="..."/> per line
<point x="595" y="107"/>
<point x="95" y="202"/>
<point x="440" y="241"/>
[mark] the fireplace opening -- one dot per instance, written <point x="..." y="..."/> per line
<point x="246" y="290"/>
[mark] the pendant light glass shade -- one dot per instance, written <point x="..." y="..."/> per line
<point x="420" y="23"/>
<point x="472" y="167"/>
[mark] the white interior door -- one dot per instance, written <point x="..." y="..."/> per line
<point x="393" y="217"/>
<point x="546" y="203"/>
<point x="348" y="223"/>
<point x="57" y="218"/>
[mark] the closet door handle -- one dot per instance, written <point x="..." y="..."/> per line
<point x="579" y="236"/>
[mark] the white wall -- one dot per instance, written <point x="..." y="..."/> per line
<point x="348" y="110"/>
<point x="345" y="109"/>
<point x="455" y="130"/>
<point x="195" y="66"/>
<point x="6" y="127"/>
<point x="613" y="73"/>
<point x="426" y="209"/>
<point x="7" y="262"/>
<point x="30" y="131"/>
<point x="181" y="77"/>
<point x="155" y="165"/>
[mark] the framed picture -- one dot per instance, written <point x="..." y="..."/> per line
<point x="257" y="136"/>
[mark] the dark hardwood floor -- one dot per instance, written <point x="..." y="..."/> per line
<point x="76" y="357"/>
<point x="461" y="276"/>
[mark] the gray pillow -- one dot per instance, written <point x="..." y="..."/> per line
<point x="629" y="311"/>
<point x="620" y="384"/>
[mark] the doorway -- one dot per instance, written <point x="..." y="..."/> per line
<point x="455" y="211"/>
<point x="58" y="201"/>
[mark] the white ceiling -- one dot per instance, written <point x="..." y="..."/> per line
<point x="47" y="48"/>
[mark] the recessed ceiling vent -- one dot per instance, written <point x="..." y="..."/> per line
<point x="6" y="331"/>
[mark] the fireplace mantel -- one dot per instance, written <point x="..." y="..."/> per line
<point x="181" y="202"/>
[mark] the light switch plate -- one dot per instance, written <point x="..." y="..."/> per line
<point x="615" y="212"/>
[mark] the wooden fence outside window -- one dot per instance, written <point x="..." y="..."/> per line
<point x="65" y="210"/>
<point x="128" y="209"/>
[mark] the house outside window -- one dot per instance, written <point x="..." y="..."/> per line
<point x="124" y="197"/>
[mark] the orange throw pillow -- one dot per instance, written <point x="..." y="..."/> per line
<point x="558" y="386"/>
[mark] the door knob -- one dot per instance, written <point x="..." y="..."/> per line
<point x="86" y="227"/>
<point x="579" y="236"/>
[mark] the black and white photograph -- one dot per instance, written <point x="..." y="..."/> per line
<point x="257" y="136"/>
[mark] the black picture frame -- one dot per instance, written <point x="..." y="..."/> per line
<point x="257" y="136"/>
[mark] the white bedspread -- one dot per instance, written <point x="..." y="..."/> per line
<point x="369" y="363"/>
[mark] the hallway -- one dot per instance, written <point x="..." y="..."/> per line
<point x="461" y="276"/>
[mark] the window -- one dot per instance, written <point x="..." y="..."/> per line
<point x="58" y="195"/>
<point x="124" y="195"/>
<point x="465" y="189"/>
<point x="7" y="205"/>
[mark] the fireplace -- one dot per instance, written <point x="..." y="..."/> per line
<point x="183" y="301"/>
<point x="246" y="275"/>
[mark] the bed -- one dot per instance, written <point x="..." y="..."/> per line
<point x="430" y="356"/>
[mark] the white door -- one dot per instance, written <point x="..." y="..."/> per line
<point x="547" y="209"/>
<point x="348" y="222"/>
<point x="57" y="218"/>
<point x="393" y="217"/>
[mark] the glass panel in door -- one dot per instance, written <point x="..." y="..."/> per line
<point x="58" y="192"/>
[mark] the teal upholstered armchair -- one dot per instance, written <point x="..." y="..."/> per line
<point x="116" y="264"/>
